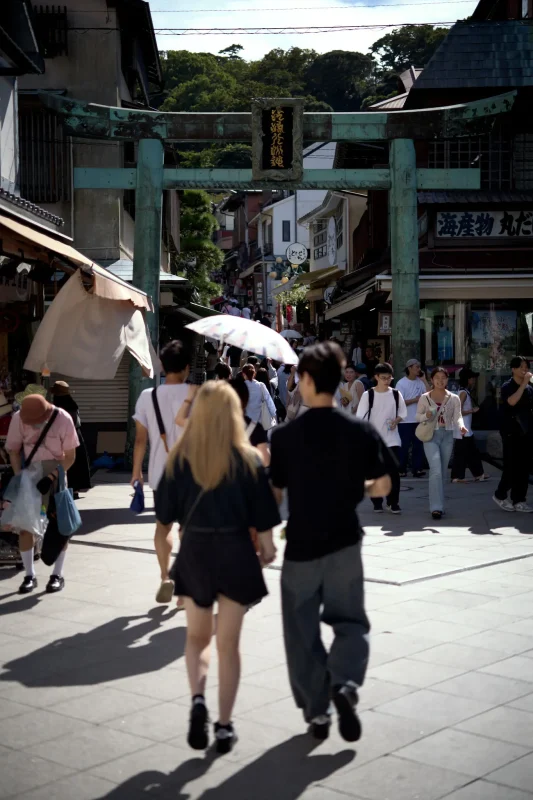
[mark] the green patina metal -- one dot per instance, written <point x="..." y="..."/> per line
<point x="402" y="179"/>
<point x="223" y="179"/>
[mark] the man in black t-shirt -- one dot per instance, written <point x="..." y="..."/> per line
<point x="517" y="437"/>
<point x="326" y="460"/>
<point x="234" y="360"/>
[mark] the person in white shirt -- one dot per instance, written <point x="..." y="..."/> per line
<point x="170" y="397"/>
<point x="258" y="394"/>
<point x="412" y="387"/>
<point x="385" y="408"/>
<point x="246" y="313"/>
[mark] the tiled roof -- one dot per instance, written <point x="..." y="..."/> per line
<point x="20" y="202"/>
<point x="458" y="198"/>
<point x="391" y="103"/>
<point x="482" y="54"/>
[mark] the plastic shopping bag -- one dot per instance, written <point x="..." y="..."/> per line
<point x="22" y="511"/>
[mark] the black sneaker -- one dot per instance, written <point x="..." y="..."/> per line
<point x="378" y="509"/>
<point x="345" y="699"/>
<point x="319" y="727"/>
<point x="394" y="509"/>
<point x="55" y="584"/>
<point x="28" y="584"/>
<point x="225" y="737"/>
<point x="198" y="737"/>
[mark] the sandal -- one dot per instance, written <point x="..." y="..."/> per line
<point x="180" y="604"/>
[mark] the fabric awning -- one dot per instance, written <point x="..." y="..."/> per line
<point x="348" y="304"/>
<point x="83" y="335"/>
<point x="105" y="284"/>
<point x="247" y="272"/>
<point x="310" y="277"/>
<point x="195" y="311"/>
<point x="468" y="287"/>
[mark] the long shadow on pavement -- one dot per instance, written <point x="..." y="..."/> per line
<point x="106" y="653"/>
<point x="283" y="773"/>
<point x="94" y="519"/>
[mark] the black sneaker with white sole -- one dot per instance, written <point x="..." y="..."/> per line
<point x="319" y="727"/>
<point x="198" y="737"/>
<point x="395" y="509"/>
<point x="225" y="737"/>
<point x="345" y="699"/>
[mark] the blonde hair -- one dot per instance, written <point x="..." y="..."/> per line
<point x="214" y="437"/>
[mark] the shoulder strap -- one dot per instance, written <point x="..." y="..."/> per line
<point x="192" y="510"/>
<point x="396" y="399"/>
<point x="159" y="418"/>
<point x="370" y="402"/>
<point x="41" y="438"/>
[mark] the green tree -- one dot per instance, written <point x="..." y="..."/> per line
<point x="199" y="256"/>
<point x="338" y="78"/>
<point x="233" y="51"/>
<point x="410" y="45"/>
<point x="181" y="66"/>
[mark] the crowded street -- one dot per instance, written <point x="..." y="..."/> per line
<point x="94" y="696"/>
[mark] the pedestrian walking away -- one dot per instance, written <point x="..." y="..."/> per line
<point x="260" y="406"/>
<point x="41" y="439"/>
<point x="385" y="408"/>
<point x="517" y="438"/>
<point x="322" y="576"/>
<point x="216" y="488"/>
<point x="412" y="387"/>
<point x="465" y="452"/>
<point x="440" y="411"/>
<point x="155" y="425"/>
<point x="234" y="360"/>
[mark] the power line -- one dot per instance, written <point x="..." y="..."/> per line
<point x="260" y="31"/>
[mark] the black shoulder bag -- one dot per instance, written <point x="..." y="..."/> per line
<point x="159" y="418"/>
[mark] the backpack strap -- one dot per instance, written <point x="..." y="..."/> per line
<point x="41" y="438"/>
<point x="159" y="418"/>
<point x="370" y="402"/>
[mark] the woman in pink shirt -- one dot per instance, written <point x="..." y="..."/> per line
<point x="58" y="448"/>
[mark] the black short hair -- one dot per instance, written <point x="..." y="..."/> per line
<point x="323" y="363"/>
<point x="175" y="357"/>
<point x="517" y="361"/>
<point x="383" y="369"/>
<point x="223" y="372"/>
<point x="436" y="370"/>
<point x="239" y="385"/>
<point x="252" y="360"/>
<point x="350" y="365"/>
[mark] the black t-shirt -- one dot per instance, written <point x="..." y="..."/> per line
<point x="517" y="419"/>
<point x="234" y="355"/>
<point x="258" y="435"/>
<point x="323" y="458"/>
<point x="246" y="501"/>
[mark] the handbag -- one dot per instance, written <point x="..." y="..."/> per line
<point x="137" y="504"/>
<point x="68" y="516"/>
<point x="425" y="430"/>
<point x="293" y="406"/>
<point x="266" y="417"/>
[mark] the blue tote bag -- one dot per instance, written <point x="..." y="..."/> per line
<point x="68" y="516"/>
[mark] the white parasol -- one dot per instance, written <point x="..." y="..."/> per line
<point x="290" y="334"/>
<point x="246" y="334"/>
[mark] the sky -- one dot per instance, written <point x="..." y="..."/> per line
<point x="290" y="14"/>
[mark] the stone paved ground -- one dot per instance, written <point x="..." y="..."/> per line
<point x="94" y="697"/>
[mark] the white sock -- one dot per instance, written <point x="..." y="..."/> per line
<point x="27" y="560"/>
<point x="59" y="563"/>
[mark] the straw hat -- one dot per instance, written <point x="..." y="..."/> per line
<point x="60" y="388"/>
<point x="5" y="407"/>
<point x="34" y="409"/>
<point x="31" y="388"/>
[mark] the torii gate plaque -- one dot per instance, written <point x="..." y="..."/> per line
<point x="402" y="178"/>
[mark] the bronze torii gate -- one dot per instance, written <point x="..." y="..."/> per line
<point x="151" y="129"/>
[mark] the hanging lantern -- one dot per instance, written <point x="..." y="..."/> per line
<point x="284" y="279"/>
<point x="273" y="275"/>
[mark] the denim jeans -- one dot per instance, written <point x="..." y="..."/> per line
<point x="438" y="453"/>
<point x="333" y="584"/>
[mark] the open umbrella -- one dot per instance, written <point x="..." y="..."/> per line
<point x="246" y="334"/>
<point x="290" y="334"/>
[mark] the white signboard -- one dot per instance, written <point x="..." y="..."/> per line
<point x="296" y="253"/>
<point x="484" y="224"/>
<point x="332" y="242"/>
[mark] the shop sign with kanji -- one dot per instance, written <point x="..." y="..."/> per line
<point x="484" y="224"/>
<point x="277" y="139"/>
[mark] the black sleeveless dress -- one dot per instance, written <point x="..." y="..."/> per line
<point x="216" y="554"/>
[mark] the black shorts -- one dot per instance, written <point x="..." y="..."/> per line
<point x="212" y="563"/>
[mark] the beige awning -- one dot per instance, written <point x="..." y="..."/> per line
<point x="316" y="275"/>
<point x="247" y="272"/>
<point x="105" y="284"/>
<point x="348" y="304"/>
<point x="468" y="287"/>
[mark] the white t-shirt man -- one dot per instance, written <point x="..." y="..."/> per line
<point x="234" y="311"/>
<point x="409" y="390"/>
<point x="246" y="313"/>
<point x="383" y="409"/>
<point x="170" y="397"/>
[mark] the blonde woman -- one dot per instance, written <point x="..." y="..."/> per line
<point x="217" y="489"/>
<point x="443" y="409"/>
